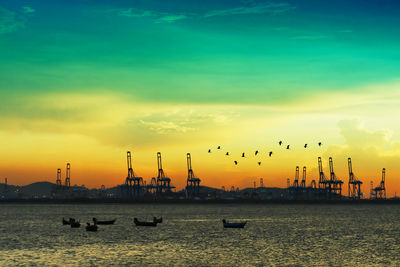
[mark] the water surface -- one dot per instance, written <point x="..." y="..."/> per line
<point x="192" y="235"/>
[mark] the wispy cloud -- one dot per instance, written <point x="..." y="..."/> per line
<point x="159" y="17"/>
<point x="164" y="127"/>
<point x="171" y="18"/>
<point x="28" y="9"/>
<point x="249" y="7"/>
<point x="138" y="13"/>
<point x="9" y="21"/>
<point x="266" y="8"/>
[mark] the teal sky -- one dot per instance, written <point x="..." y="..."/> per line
<point x="85" y="81"/>
<point x="198" y="51"/>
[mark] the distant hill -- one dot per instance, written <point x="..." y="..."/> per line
<point x="38" y="189"/>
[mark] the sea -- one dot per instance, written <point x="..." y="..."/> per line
<point x="193" y="235"/>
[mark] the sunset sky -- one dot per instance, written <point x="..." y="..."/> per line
<point x="85" y="81"/>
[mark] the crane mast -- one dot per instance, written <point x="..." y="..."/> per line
<point x="192" y="183"/>
<point x="296" y="178"/>
<point x="58" y="181"/>
<point x="68" y="176"/>
<point x="303" y="180"/>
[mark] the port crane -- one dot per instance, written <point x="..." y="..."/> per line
<point x="303" y="180"/>
<point x="296" y="178"/>
<point x="133" y="184"/>
<point x="335" y="184"/>
<point x="192" y="183"/>
<point x="58" y="181"/>
<point x="354" y="190"/>
<point x="163" y="182"/>
<point x="322" y="178"/>
<point x="380" y="191"/>
<point x="68" y="176"/>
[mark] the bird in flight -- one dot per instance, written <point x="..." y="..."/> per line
<point x="243" y="155"/>
<point x="320" y="144"/>
<point x="227" y="153"/>
<point x="259" y="163"/>
<point x="305" y="146"/>
<point x="270" y="153"/>
<point x="209" y="151"/>
<point x="288" y="147"/>
<point x="235" y="162"/>
<point x="256" y="152"/>
<point x="219" y="147"/>
<point x="280" y="143"/>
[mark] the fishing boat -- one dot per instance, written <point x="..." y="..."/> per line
<point x="233" y="225"/>
<point x="103" y="222"/>
<point x="75" y="224"/>
<point x="91" y="227"/>
<point x="139" y="223"/>
<point x="65" y="222"/>
<point x="157" y="220"/>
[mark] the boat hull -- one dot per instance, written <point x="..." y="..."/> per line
<point x="233" y="225"/>
<point x="148" y="224"/>
<point x="104" y="222"/>
<point x="75" y="225"/>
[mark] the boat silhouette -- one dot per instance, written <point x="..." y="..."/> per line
<point x="67" y="222"/>
<point x="91" y="227"/>
<point x="139" y="223"/>
<point x="103" y="222"/>
<point x="233" y="225"/>
<point x="75" y="224"/>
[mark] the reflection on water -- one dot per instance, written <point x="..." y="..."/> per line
<point x="193" y="235"/>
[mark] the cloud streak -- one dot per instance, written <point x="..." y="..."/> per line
<point x="28" y="9"/>
<point x="267" y="8"/>
<point x="164" y="127"/>
<point x="159" y="17"/>
<point x="9" y="21"/>
<point x="250" y="8"/>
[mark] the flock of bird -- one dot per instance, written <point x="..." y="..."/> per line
<point x="257" y="152"/>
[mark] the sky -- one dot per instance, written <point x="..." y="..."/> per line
<point x="85" y="81"/>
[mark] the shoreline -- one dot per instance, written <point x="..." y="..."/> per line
<point x="201" y="202"/>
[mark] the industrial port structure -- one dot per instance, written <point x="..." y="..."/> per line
<point x="135" y="187"/>
<point x="326" y="187"/>
<point x="379" y="192"/>
<point x="354" y="190"/>
<point x="331" y="187"/>
<point x="67" y="183"/>
<point x="192" y="183"/>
